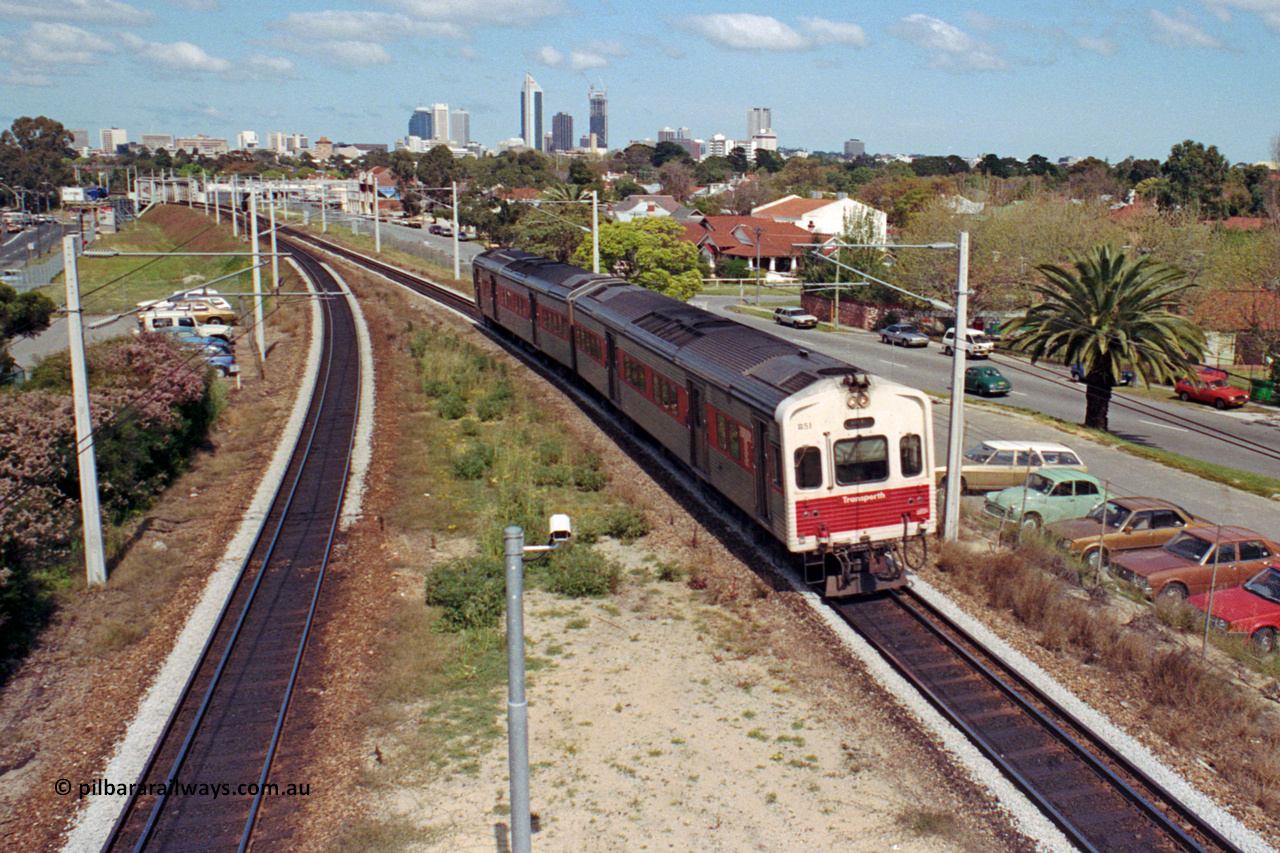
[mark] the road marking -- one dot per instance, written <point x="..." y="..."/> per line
<point x="1162" y="426"/>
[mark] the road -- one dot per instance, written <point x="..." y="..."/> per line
<point x="22" y="247"/>
<point x="1170" y="425"/>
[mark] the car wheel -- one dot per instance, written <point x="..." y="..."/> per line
<point x="222" y="371"/>
<point x="1171" y="593"/>
<point x="883" y="339"/>
<point x="1184" y="396"/>
<point x="1031" y="521"/>
<point x="1219" y="404"/>
<point x="1263" y="641"/>
<point x="946" y="350"/>
<point x="1096" y="558"/>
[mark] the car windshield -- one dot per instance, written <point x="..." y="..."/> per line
<point x="906" y="329"/>
<point x="980" y="339"/>
<point x="1110" y="513"/>
<point x="1266" y="584"/>
<point x="1039" y="483"/>
<point x="1188" y="547"/>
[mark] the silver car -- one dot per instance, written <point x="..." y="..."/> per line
<point x="903" y="335"/>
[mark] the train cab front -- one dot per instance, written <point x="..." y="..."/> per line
<point x="860" y="489"/>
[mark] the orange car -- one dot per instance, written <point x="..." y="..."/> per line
<point x="1122" y="524"/>
<point x="1195" y="559"/>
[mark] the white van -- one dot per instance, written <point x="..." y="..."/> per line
<point x="173" y="321"/>
<point x="977" y="343"/>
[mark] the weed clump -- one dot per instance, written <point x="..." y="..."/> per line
<point x="470" y="592"/>
<point x="475" y="462"/>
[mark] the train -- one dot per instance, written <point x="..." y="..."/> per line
<point x="834" y="463"/>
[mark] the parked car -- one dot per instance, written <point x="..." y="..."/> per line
<point x="994" y="465"/>
<point x="795" y="317"/>
<point x="1251" y="610"/>
<point x="1193" y="560"/>
<point x="985" y="381"/>
<point x="173" y="321"/>
<point x="903" y="335"/>
<point x="440" y="230"/>
<point x="1077" y="375"/>
<point x="221" y="360"/>
<point x="1123" y="524"/>
<point x="194" y="339"/>
<point x="1210" y="386"/>
<point x="976" y="343"/>
<point x="1049" y="495"/>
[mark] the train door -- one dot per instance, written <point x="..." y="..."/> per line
<point x="697" y="429"/>
<point x="611" y="361"/>
<point x="761" y="453"/>
<point x="533" y="320"/>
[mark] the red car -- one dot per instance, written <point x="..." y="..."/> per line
<point x="1252" y="610"/>
<point x="1210" y="386"/>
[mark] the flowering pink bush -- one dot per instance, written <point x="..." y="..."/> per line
<point x="150" y="406"/>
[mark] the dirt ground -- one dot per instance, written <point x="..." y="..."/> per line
<point x="663" y="718"/>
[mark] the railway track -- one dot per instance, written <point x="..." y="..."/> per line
<point x="226" y="731"/>
<point x="1100" y="800"/>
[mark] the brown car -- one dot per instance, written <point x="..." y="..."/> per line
<point x="1195" y="559"/>
<point x="1123" y="524"/>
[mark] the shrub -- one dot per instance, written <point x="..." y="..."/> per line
<point x="576" y="571"/>
<point x="451" y="406"/>
<point x="475" y="462"/>
<point x="436" y="387"/>
<point x="470" y="592"/>
<point x="625" y="523"/>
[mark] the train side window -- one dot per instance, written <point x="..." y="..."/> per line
<point x="775" y="464"/>
<point x="808" y="468"/>
<point x="911" y="455"/>
<point x="861" y="460"/>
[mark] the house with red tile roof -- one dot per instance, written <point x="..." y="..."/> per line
<point x="777" y="245"/>
<point x="1241" y="326"/>
<point x="826" y="215"/>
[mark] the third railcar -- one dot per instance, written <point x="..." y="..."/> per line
<point x="835" y="463"/>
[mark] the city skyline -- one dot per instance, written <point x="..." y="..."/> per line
<point x="1101" y="79"/>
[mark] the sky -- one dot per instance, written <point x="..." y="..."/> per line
<point x="1060" y="79"/>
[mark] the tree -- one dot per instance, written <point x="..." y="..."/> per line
<point x="21" y="315"/>
<point x="667" y="151"/>
<point x="738" y="160"/>
<point x="676" y="178"/>
<point x="35" y="150"/>
<point x="650" y="253"/>
<point x="1196" y="174"/>
<point x="769" y="161"/>
<point x="1107" y="314"/>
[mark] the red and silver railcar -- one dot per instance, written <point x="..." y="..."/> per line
<point x="834" y="463"/>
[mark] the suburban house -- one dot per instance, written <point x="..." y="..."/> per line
<point x="378" y="183"/>
<point x="649" y="207"/>
<point x="1240" y="326"/>
<point x="827" y="215"/>
<point x="777" y="245"/>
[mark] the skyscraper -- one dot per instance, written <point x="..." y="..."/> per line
<point x="461" y="124"/>
<point x="440" y="123"/>
<point x="561" y="132"/>
<point x="759" y="119"/>
<point x="420" y="123"/>
<point x="599" y="123"/>
<point x="531" y="113"/>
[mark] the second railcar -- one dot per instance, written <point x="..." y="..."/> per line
<point x="834" y="463"/>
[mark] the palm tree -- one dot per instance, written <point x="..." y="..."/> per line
<point x="1106" y="315"/>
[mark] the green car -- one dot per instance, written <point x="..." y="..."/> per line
<point x="1050" y="494"/>
<point x="985" y="381"/>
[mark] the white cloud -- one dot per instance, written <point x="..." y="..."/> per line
<point x="596" y="54"/>
<point x="548" y="55"/>
<point x="362" y="53"/>
<point x="1181" y="31"/>
<point x="181" y="56"/>
<point x="77" y="11"/>
<point x="826" y="32"/>
<point x="519" y="13"/>
<point x="60" y="44"/>
<point x="742" y="31"/>
<point x="263" y="67"/>
<point x="335" y="25"/>
<point x="196" y="5"/>
<point x="17" y="78"/>
<point x="1268" y="10"/>
<point x="947" y="45"/>
<point x="1102" y="46"/>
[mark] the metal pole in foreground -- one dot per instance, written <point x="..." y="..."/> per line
<point x="94" y="561"/>
<point x="517" y="706"/>
<point x="951" y="520"/>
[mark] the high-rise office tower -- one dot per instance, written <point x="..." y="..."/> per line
<point x="666" y="135"/>
<point x="561" y="132"/>
<point x="460" y="123"/>
<point x="420" y="123"/>
<point x="599" y="123"/>
<point x="759" y="119"/>
<point x="112" y="138"/>
<point x="440" y="123"/>
<point x="531" y="113"/>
